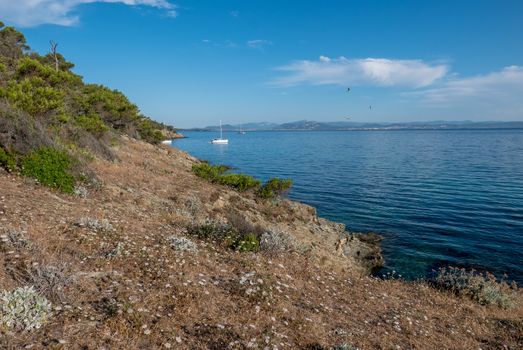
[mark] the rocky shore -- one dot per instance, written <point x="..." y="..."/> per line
<point x="120" y="268"/>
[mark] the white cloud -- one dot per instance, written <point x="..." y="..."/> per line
<point x="258" y="43"/>
<point x="504" y="86"/>
<point x="28" y="13"/>
<point x="367" y="71"/>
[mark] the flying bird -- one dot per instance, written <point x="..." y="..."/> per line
<point x="348" y="89"/>
<point x="370" y="107"/>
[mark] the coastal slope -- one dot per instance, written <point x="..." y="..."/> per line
<point x="123" y="269"/>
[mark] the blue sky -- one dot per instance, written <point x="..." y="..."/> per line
<point x="191" y="63"/>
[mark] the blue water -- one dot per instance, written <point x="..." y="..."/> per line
<point x="438" y="197"/>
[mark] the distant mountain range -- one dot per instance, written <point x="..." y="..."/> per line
<point x="307" y="125"/>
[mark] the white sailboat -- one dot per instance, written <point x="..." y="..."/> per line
<point x="241" y="132"/>
<point x="221" y="140"/>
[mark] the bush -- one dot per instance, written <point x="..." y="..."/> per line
<point x="247" y="243"/>
<point x="239" y="182"/>
<point x="482" y="288"/>
<point x="209" y="172"/>
<point x="274" y="187"/>
<point x="212" y="231"/>
<point x="23" y="309"/>
<point x="92" y="123"/>
<point x="227" y="236"/>
<point x="33" y="96"/>
<point x="7" y="160"/>
<point x="102" y="225"/>
<point x="181" y="244"/>
<point x="217" y="174"/>
<point x="50" y="167"/>
<point x="277" y="242"/>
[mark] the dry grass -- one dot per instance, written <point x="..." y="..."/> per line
<point x="151" y="296"/>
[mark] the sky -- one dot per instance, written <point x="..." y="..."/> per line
<point x="193" y="63"/>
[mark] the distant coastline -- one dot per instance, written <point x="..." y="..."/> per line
<point x="305" y="125"/>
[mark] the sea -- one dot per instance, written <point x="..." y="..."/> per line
<point x="438" y="197"/>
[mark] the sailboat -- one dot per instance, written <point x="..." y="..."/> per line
<point x="221" y="140"/>
<point x="241" y="132"/>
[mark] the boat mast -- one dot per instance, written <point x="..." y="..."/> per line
<point x="221" y="136"/>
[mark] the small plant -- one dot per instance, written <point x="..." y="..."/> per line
<point x="181" y="243"/>
<point x="7" y="160"/>
<point x="15" y="238"/>
<point x="50" y="167"/>
<point x="23" y="309"/>
<point x="482" y="288"/>
<point x="102" y="225"/>
<point x="80" y="191"/>
<point x="50" y="280"/>
<point x="247" y="243"/>
<point x="277" y="242"/>
<point x="274" y="187"/>
<point x="212" y="231"/>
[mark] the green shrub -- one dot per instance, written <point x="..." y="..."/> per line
<point x="274" y="187"/>
<point x="92" y="123"/>
<point x="212" y="231"/>
<point x="482" y="288"/>
<point x="209" y="172"/>
<point x="148" y="131"/>
<point x="33" y="95"/>
<point x="239" y="182"/>
<point x="247" y="243"/>
<point x="50" y="167"/>
<point x="226" y="236"/>
<point x="7" y="160"/>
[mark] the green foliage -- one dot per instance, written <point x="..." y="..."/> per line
<point x="149" y="132"/>
<point x="226" y="235"/>
<point x="239" y="182"/>
<point x="33" y="96"/>
<point x="7" y="160"/>
<point x="212" y="231"/>
<point x="50" y="167"/>
<point x="71" y="112"/>
<point x="247" y="243"/>
<point x="217" y="174"/>
<point x="28" y="67"/>
<point x="274" y="187"/>
<point x="92" y="123"/>
<point x="482" y="288"/>
<point x="12" y="43"/>
<point x="209" y="172"/>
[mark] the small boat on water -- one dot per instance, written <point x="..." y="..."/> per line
<point x="241" y="132"/>
<point x="221" y="140"/>
<point x="167" y="142"/>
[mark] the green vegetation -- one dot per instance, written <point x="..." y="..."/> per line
<point x="241" y="239"/>
<point x="48" y="114"/>
<point x="247" y="243"/>
<point x="7" y="160"/>
<point x="209" y="172"/>
<point x="482" y="288"/>
<point x="239" y="182"/>
<point x="274" y="187"/>
<point x="220" y="174"/>
<point x="51" y="168"/>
